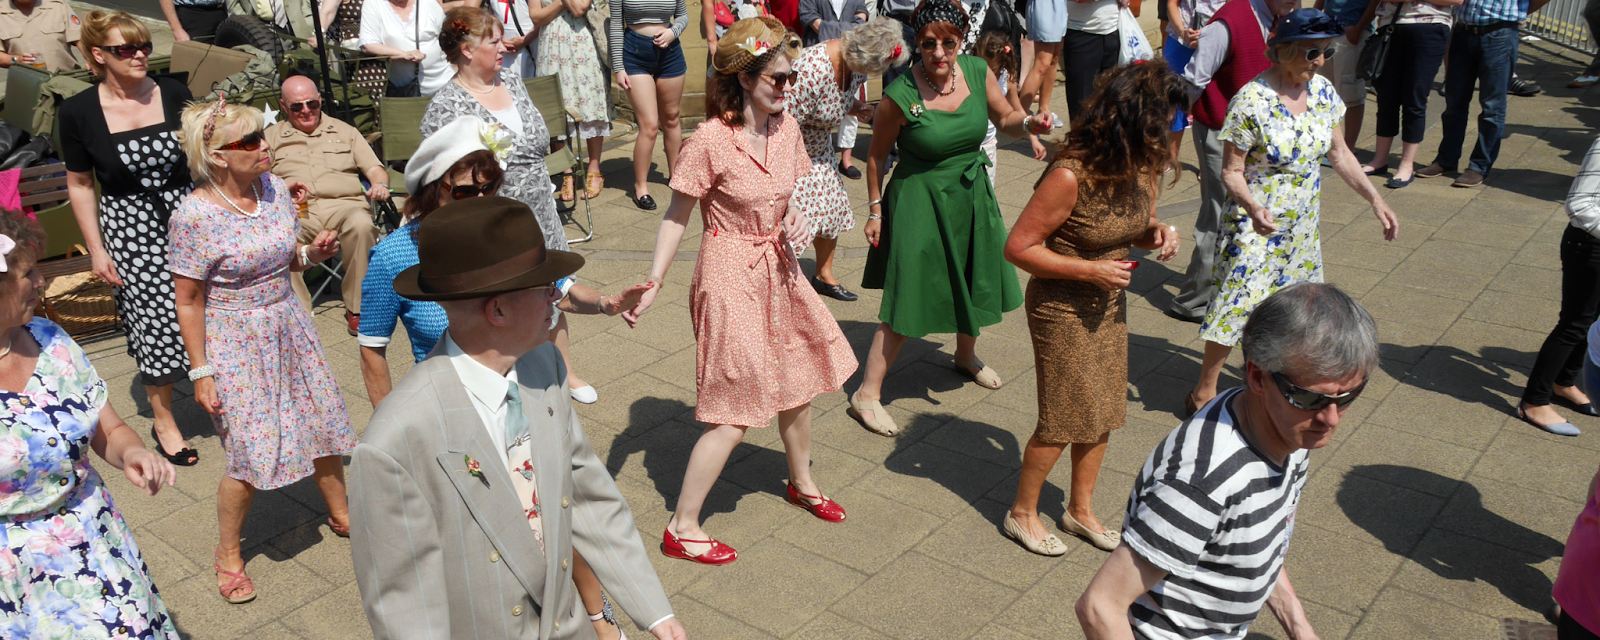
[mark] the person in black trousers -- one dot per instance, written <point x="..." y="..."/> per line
<point x="1555" y="371"/>
<point x="1421" y="36"/>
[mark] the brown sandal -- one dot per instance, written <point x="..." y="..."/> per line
<point x="566" y="188"/>
<point x="237" y="582"/>
<point x="593" y="183"/>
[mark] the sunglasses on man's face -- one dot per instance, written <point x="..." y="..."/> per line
<point x="930" y="45"/>
<point x="314" y="104"/>
<point x="1306" y="399"/>
<point x="250" y="142"/>
<point x="127" y="51"/>
<point x="1325" y="53"/>
<point x="464" y="191"/>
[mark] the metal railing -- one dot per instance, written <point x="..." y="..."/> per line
<point x="1562" y="22"/>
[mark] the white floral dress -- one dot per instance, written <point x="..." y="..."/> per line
<point x="69" y="568"/>
<point x="819" y="106"/>
<point x="1282" y="168"/>
<point x="566" y="48"/>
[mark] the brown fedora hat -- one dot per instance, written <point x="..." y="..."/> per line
<point x="481" y="247"/>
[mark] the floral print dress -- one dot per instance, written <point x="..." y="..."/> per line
<point x="69" y="568"/>
<point x="281" y="408"/>
<point x="819" y="106"/>
<point x="566" y="48"/>
<point x="1282" y="168"/>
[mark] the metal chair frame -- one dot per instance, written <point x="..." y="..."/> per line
<point x="540" y="90"/>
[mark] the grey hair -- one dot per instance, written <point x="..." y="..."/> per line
<point x="870" y="48"/>
<point x="1314" y="331"/>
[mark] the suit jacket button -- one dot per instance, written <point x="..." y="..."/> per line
<point x="494" y="556"/>
<point x="517" y="610"/>
<point x="565" y="502"/>
<point x="552" y="410"/>
<point x="563" y="563"/>
<point x="558" y="626"/>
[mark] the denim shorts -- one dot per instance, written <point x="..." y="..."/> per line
<point x="641" y="57"/>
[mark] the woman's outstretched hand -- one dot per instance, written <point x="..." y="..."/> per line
<point x="629" y="300"/>
<point x="647" y="298"/>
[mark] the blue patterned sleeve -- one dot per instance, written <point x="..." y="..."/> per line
<point x="380" y="305"/>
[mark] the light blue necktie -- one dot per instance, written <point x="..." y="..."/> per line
<point x="516" y="422"/>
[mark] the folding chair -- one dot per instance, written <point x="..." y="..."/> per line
<point x="545" y="91"/>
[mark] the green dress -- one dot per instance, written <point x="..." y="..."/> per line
<point x="940" y="259"/>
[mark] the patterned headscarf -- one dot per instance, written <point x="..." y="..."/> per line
<point x="931" y="11"/>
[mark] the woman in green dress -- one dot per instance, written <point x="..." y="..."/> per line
<point x="936" y="234"/>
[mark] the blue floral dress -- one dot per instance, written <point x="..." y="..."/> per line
<point x="69" y="568"/>
<point x="1282" y="167"/>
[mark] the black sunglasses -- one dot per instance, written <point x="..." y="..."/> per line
<point x="1325" y="53"/>
<point x="464" y="191"/>
<point x="314" y="104"/>
<point x="930" y="45"/>
<point x="126" y="51"/>
<point x="779" y="79"/>
<point x="1310" y="400"/>
<point x="250" y="142"/>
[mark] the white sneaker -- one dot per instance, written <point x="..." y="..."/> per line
<point x="586" y="394"/>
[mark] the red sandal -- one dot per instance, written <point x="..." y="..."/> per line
<point x="825" y="508"/>
<point x="238" y="581"/>
<point x="718" y="554"/>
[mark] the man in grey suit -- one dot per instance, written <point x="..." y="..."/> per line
<point x="474" y="483"/>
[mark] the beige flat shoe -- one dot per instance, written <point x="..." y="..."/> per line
<point x="880" y="423"/>
<point x="1050" y="545"/>
<point x="1102" y="541"/>
<point x="981" y="373"/>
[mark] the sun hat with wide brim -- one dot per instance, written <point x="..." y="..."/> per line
<point x="481" y="247"/>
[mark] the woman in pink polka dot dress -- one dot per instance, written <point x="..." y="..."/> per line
<point x="766" y="345"/>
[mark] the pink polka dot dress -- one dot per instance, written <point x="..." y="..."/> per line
<point x="764" y="340"/>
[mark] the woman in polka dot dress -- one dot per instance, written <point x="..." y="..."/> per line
<point x="122" y="132"/>
<point x="766" y="345"/>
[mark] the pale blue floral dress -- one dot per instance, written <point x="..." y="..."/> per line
<point x="69" y="568"/>
<point x="1282" y="167"/>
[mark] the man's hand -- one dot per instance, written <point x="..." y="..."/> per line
<point x="378" y="192"/>
<point x="179" y="35"/>
<point x="670" y="629"/>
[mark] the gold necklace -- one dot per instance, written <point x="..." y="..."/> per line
<point x="461" y="80"/>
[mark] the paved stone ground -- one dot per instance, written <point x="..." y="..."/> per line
<point x="1432" y="514"/>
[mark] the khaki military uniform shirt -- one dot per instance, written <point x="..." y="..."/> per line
<point x="50" y="29"/>
<point x="331" y="160"/>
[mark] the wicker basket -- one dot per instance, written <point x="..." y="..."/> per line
<point x="78" y="300"/>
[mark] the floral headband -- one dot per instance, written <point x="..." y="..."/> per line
<point x="211" y="118"/>
<point x="932" y="11"/>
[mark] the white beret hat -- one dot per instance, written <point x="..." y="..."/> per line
<point x="450" y="143"/>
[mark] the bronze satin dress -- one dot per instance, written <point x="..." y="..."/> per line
<point x="1080" y="332"/>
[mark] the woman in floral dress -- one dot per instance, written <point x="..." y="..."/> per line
<point x="69" y="568"/>
<point x="259" y="367"/>
<point x="567" y="48"/>
<point x="765" y="345"/>
<point x="827" y="78"/>
<point x="1277" y="130"/>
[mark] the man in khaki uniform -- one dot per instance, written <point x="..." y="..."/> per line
<point x="330" y="156"/>
<point x="39" y="33"/>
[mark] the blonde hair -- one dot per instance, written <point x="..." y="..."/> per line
<point x="192" y="136"/>
<point x="874" y="47"/>
<point x="97" y="29"/>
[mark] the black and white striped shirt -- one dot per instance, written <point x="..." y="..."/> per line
<point x="1216" y="515"/>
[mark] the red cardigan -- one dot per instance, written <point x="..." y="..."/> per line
<point x="1247" y="58"/>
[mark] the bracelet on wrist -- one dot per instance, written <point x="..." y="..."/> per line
<point x="873" y="202"/>
<point x="204" y="371"/>
<point x="305" y="256"/>
<point x="874" y="216"/>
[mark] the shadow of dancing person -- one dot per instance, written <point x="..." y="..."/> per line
<point x="765" y="343"/>
<point x="1094" y="201"/>
<point x="936" y="233"/>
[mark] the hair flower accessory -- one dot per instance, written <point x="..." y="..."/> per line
<point x="755" y="47"/>
<point x="496" y="139"/>
<point x="6" y="245"/>
<point x="896" y="53"/>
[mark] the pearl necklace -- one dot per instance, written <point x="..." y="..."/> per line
<point x="236" y="207"/>
<point x="463" y="82"/>
<point x="953" y="77"/>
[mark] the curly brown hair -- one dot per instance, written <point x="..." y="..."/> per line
<point x="465" y="26"/>
<point x="30" y="239"/>
<point x="995" y="48"/>
<point x="480" y="165"/>
<point x="1122" y="132"/>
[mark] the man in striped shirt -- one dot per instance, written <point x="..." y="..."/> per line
<point x="1211" y="514"/>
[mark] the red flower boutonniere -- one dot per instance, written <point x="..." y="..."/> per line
<point x="473" y="469"/>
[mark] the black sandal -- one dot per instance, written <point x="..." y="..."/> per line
<point x="645" y="202"/>
<point x="185" y="457"/>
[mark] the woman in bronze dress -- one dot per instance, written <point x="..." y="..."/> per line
<point x="1093" y="201"/>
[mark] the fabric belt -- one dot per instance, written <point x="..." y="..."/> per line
<point x="1480" y="29"/>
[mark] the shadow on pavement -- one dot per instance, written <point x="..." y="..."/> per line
<point x="1484" y="378"/>
<point x="1513" y="574"/>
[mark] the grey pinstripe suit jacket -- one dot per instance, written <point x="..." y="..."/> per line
<point x="441" y="553"/>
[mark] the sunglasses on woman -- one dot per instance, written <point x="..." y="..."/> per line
<point x="930" y="45"/>
<point x="314" y="104"/>
<point x="1306" y="399"/>
<point x="128" y="51"/>
<point x="250" y="142"/>
<point x="1324" y="53"/>
<point x="464" y="191"/>
<point x="779" y="79"/>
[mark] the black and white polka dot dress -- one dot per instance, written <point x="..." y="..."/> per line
<point x="134" y="230"/>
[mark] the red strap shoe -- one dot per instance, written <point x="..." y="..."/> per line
<point x="825" y="508"/>
<point x="718" y="554"/>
